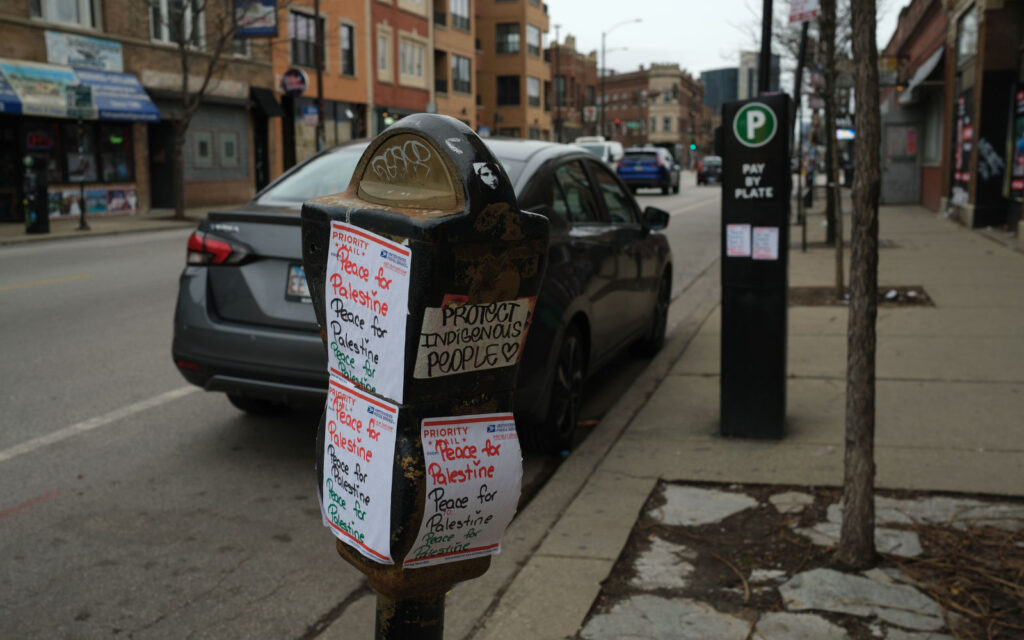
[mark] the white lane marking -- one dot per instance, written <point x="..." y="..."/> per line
<point x="95" y="423"/>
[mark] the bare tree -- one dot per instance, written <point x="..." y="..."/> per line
<point x="202" y="31"/>
<point x="856" y="548"/>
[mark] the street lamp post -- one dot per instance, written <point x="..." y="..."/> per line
<point x="604" y="63"/>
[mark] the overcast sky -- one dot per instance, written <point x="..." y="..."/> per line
<point x="698" y="34"/>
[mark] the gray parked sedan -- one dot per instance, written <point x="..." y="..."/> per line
<point x="244" y="323"/>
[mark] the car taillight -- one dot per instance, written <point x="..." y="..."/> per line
<point x="203" y="249"/>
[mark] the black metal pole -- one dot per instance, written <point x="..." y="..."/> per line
<point x="321" y="34"/>
<point x="410" y="618"/>
<point x="764" y="68"/>
<point x="801" y="215"/>
<point x="82" y="224"/>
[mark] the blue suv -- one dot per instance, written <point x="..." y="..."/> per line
<point x="649" y="167"/>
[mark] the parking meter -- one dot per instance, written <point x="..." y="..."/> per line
<point x="756" y="185"/>
<point x="423" y="276"/>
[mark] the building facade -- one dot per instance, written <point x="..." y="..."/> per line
<point x="91" y="89"/>
<point x="341" y="29"/>
<point x="984" y="111"/>
<point x="512" y="72"/>
<point x="455" y="60"/>
<point x="660" y="105"/>
<point x="573" y="95"/>
<point x="746" y="76"/>
<point x="403" y="59"/>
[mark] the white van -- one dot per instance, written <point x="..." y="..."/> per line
<point x="609" y="151"/>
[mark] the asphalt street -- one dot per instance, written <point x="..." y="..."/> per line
<point x="137" y="505"/>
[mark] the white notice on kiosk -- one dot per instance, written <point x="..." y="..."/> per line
<point x="359" y="455"/>
<point x="367" y="300"/>
<point x="474" y="474"/>
<point x="737" y="240"/>
<point x="766" y="243"/>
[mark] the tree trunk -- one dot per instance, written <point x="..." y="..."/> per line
<point x="828" y="44"/>
<point x="856" y="548"/>
<point x="178" y="168"/>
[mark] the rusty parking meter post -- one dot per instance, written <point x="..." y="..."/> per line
<point x="423" y="276"/>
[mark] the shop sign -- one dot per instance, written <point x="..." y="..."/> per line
<point x="85" y="52"/>
<point x="255" y="18"/>
<point x="80" y="104"/>
<point x="294" y="82"/>
<point x="39" y="140"/>
<point x="590" y="114"/>
<point x="963" y="144"/>
<point x="41" y="88"/>
<point x="310" y="116"/>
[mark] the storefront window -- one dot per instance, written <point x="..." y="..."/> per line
<point x="116" y="153"/>
<point x="80" y="153"/>
<point x="42" y="142"/>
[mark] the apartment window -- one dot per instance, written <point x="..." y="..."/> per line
<point x="306" y="32"/>
<point x="459" y="10"/>
<point x="534" y="133"/>
<point x="80" y="12"/>
<point x="384" y="55"/>
<point x="667" y="95"/>
<point x="171" y="21"/>
<point x="411" y="54"/>
<point x="348" y="50"/>
<point x="241" y="47"/>
<point x="508" y="90"/>
<point x="533" y="91"/>
<point x="589" y="92"/>
<point x="654" y="125"/>
<point x="508" y="37"/>
<point x="461" y="78"/>
<point x="533" y="40"/>
<point x="559" y="91"/>
<point x="666" y="124"/>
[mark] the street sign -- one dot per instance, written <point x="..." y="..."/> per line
<point x="802" y="10"/>
<point x="294" y="82"/>
<point x="755" y="124"/>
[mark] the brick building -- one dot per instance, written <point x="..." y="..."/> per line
<point x="660" y="105"/>
<point x="403" y="57"/>
<point x="512" y="71"/>
<point x="117" y="66"/>
<point x="573" y="102"/>
<point x="342" y="28"/>
<point x="455" y="60"/>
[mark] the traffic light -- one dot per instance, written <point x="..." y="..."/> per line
<point x="693" y="147"/>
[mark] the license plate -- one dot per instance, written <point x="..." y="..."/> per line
<point x="297" y="287"/>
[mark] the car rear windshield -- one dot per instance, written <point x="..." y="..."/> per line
<point x="647" y="156"/>
<point x="714" y="160"/>
<point x="330" y="173"/>
<point x="321" y="176"/>
<point x="596" y="149"/>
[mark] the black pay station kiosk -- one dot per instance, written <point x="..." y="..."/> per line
<point x="755" y="251"/>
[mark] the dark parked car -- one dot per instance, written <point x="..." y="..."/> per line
<point x="709" y="170"/>
<point x="244" y="323"/>
<point x="649" y="167"/>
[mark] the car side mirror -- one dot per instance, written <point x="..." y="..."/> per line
<point x="655" y="219"/>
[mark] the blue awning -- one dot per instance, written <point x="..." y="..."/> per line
<point x="35" y="88"/>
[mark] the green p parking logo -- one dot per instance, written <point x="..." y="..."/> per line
<point x="755" y="124"/>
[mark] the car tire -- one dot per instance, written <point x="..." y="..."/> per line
<point x="652" y="343"/>
<point x="675" y="189"/>
<point x="634" y="189"/>
<point x="665" y="188"/>
<point x="554" y="434"/>
<point x="256" y="406"/>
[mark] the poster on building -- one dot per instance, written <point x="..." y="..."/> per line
<point x="1015" y="156"/>
<point x="84" y="52"/>
<point x="963" y="144"/>
<point x="474" y="474"/>
<point x="255" y="18"/>
<point x="367" y="296"/>
<point x="359" y="455"/>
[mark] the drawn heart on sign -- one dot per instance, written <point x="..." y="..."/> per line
<point x="509" y="350"/>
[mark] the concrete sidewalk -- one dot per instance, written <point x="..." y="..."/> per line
<point x="65" y="228"/>
<point x="950" y="395"/>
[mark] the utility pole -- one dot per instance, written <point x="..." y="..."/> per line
<point x="321" y="33"/>
<point x="558" y="104"/>
<point x="764" y="68"/>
